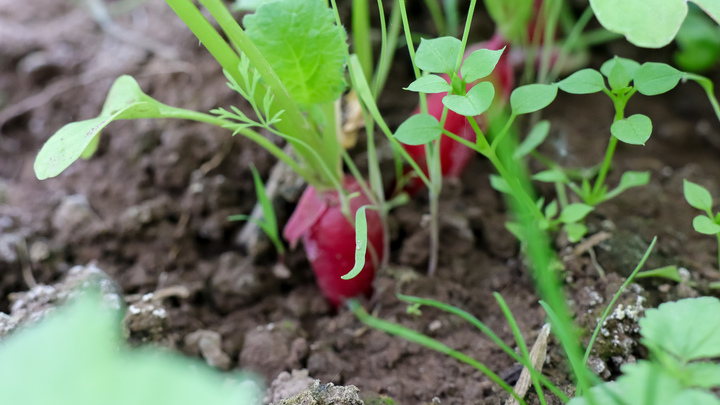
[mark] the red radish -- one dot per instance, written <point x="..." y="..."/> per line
<point x="454" y="156"/>
<point x="329" y="240"/>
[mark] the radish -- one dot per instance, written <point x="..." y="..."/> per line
<point x="454" y="156"/>
<point x="329" y="240"/>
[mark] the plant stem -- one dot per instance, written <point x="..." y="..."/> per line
<point x="570" y="42"/>
<point x="708" y="86"/>
<point x="361" y="34"/>
<point x="619" y="103"/>
<point x="437" y="16"/>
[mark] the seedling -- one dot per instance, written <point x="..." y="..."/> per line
<point x="77" y="356"/>
<point x="699" y="197"/>
<point x="681" y="337"/>
<point x="269" y="223"/>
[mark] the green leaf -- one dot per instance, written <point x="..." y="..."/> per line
<point x="695" y="397"/>
<point x="551" y="210"/>
<point x="656" y="78"/>
<point x="438" y="55"/>
<point x="697" y="196"/>
<point x="419" y="129"/>
<point x="430" y="84"/>
<point x="635" y="129"/>
<point x="702" y="375"/>
<point x="585" y="81"/>
<point x="361" y="242"/>
<point x="648" y="24"/>
<point x="628" y="180"/>
<point x="480" y="64"/>
<point x="574" y="213"/>
<point x="125" y="100"/>
<point x="303" y="45"/>
<point x="550" y="176"/>
<point x="476" y="102"/>
<point x="532" y="97"/>
<point x="688" y="329"/>
<point x="618" y="77"/>
<point x="669" y="272"/>
<point x="705" y="225"/>
<point x="77" y="356"/>
<point x="575" y="231"/>
<point x="537" y="135"/>
<point x="698" y="41"/>
<point x="499" y="184"/>
<point x="630" y="66"/>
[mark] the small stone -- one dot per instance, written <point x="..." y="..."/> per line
<point x="208" y="344"/>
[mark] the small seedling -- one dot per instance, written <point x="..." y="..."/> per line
<point x="699" y="197"/>
<point x="269" y="223"/>
<point x="681" y="337"/>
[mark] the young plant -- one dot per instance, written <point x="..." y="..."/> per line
<point x="699" y="197"/>
<point x="78" y="356"/>
<point x="269" y="223"/>
<point x="289" y="65"/>
<point x="682" y="336"/>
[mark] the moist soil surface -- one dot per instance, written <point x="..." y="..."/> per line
<point x="151" y="207"/>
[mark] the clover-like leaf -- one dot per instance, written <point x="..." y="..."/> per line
<point x="574" y="213"/>
<point x="635" y="129"/>
<point x="697" y="196"/>
<point x="619" y="77"/>
<point x="430" y="84"/>
<point x="419" y="129"/>
<point x="438" y="55"/>
<point x="532" y="97"/>
<point x="575" y="231"/>
<point x="551" y="210"/>
<point x="702" y="374"/>
<point x="301" y="42"/>
<point x="536" y="136"/>
<point x="585" y="81"/>
<point x="705" y="225"/>
<point x="500" y="184"/>
<point x="125" y="100"/>
<point x="480" y="64"/>
<point x="475" y="102"/>
<point x="550" y="176"/>
<point x="688" y="329"/>
<point x="628" y="180"/>
<point x="656" y="78"/>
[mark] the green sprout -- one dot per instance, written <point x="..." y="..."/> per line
<point x="699" y="197"/>
<point x="269" y="223"/>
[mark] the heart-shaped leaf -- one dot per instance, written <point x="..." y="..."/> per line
<point x="475" y="102"/>
<point x="705" y="225"/>
<point x="438" y="55"/>
<point x="532" y="97"/>
<point x="656" y="78"/>
<point x="430" y="84"/>
<point x="635" y="130"/>
<point x="583" y="81"/>
<point x="480" y="64"/>
<point x="419" y="129"/>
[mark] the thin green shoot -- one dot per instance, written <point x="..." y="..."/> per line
<point x="419" y="338"/>
<point x="437" y="16"/>
<point x="269" y="223"/>
<point x="362" y="45"/>
<point x="521" y="344"/>
<point x="610" y="306"/>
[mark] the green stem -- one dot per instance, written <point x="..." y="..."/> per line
<point x="293" y="119"/>
<point x="361" y="34"/>
<point x="466" y="34"/>
<point x="437" y="16"/>
<point x="552" y="8"/>
<point x="331" y="146"/>
<point x="708" y="86"/>
<point x="411" y="51"/>
<point x="499" y="137"/>
<point x="619" y="103"/>
<point x="388" y="47"/>
<point x="572" y="39"/>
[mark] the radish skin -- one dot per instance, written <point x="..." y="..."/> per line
<point x="329" y="240"/>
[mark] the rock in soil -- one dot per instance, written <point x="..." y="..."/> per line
<point x="288" y="385"/>
<point x="31" y="306"/>
<point x="327" y="394"/>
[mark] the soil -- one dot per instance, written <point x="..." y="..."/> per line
<point x="151" y="209"/>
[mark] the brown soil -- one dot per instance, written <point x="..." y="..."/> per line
<point x="151" y="210"/>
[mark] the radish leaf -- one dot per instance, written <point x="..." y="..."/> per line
<point x="419" y="129"/>
<point x="304" y="47"/>
<point x="475" y="102"/>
